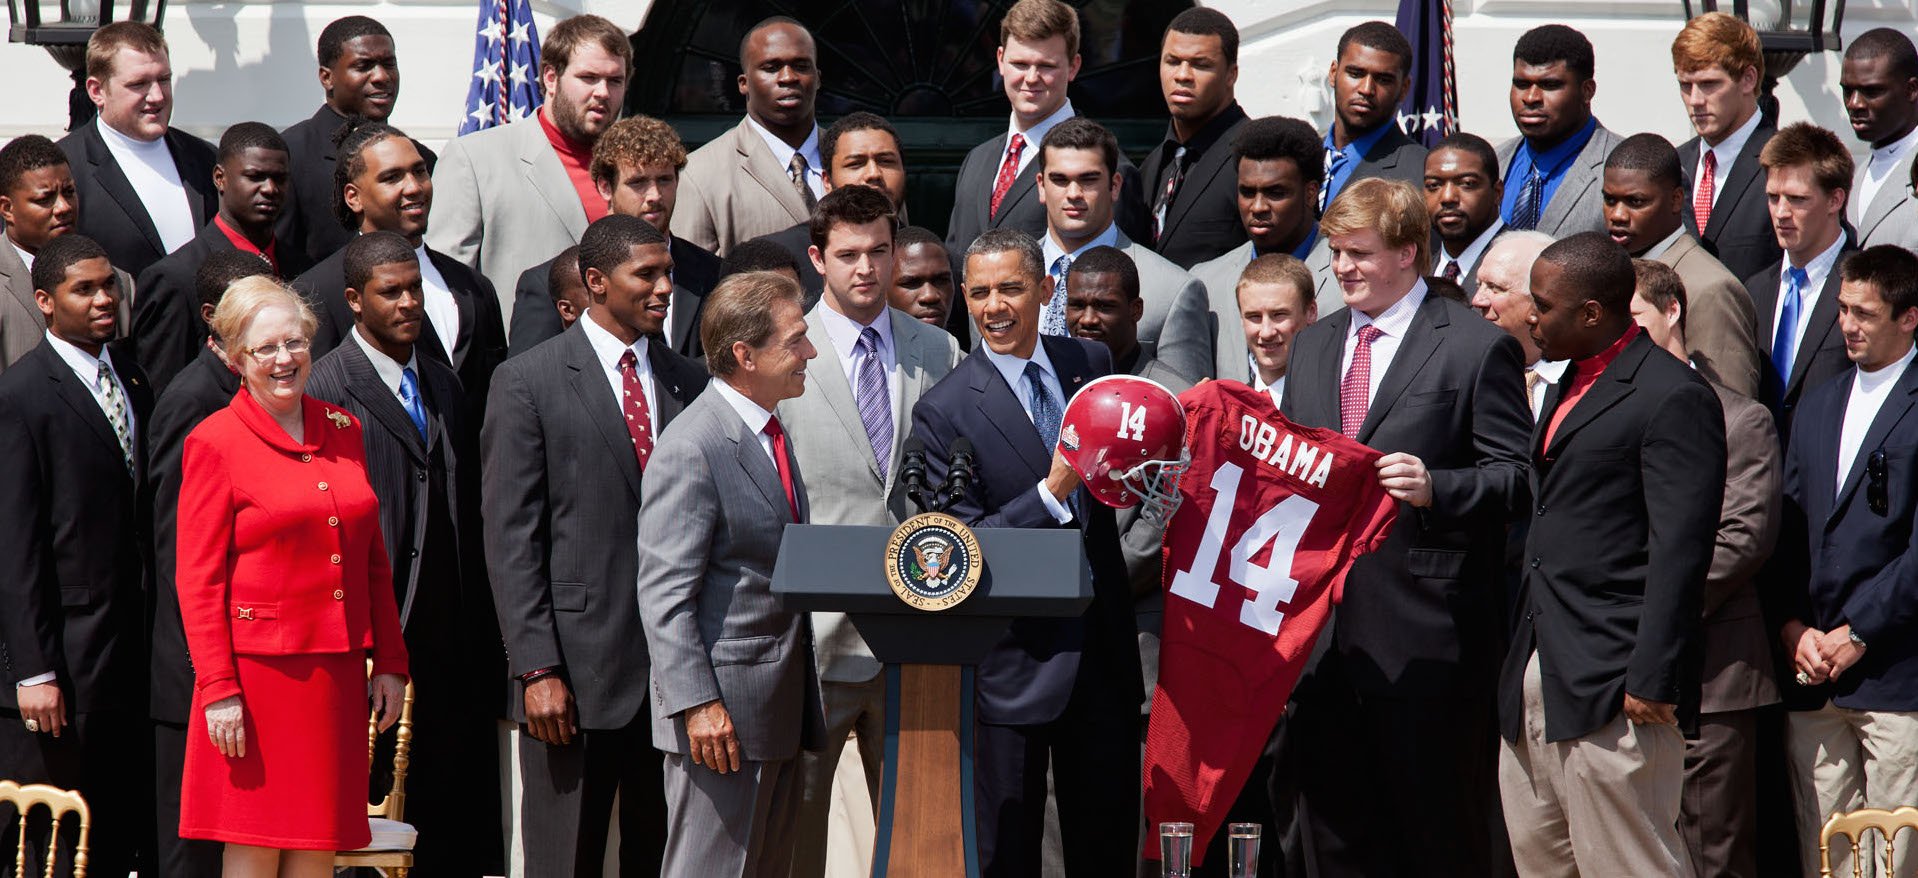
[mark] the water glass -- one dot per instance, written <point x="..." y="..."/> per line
<point x="1243" y="854"/>
<point x="1175" y="849"/>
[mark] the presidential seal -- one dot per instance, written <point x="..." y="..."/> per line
<point x="932" y="561"/>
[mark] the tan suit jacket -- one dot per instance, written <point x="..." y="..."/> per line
<point x="1737" y="672"/>
<point x="733" y="190"/>
<point x="502" y="203"/>
<point x="1719" y="319"/>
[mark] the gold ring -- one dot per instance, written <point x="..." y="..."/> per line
<point x="33" y="725"/>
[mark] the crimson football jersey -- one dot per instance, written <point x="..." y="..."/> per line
<point x="1271" y="517"/>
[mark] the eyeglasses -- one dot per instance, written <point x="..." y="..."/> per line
<point x="1875" y="492"/>
<point x="293" y="347"/>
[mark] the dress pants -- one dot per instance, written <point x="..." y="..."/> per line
<point x="1600" y="806"/>
<point x="1843" y="760"/>
<point x="173" y="856"/>
<point x="1093" y="749"/>
<point x="100" y="754"/>
<point x="735" y="825"/>
<point x="452" y="783"/>
<point x="851" y="709"/>
<point x="566" y="802"/>
<point x="1718" y="818"/>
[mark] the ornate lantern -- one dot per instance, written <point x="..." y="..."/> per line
<point x="62" y="27"/>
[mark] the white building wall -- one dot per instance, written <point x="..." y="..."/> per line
<point x="254" y="60"/>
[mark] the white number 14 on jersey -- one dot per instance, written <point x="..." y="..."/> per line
<point x="1282" y="525"/>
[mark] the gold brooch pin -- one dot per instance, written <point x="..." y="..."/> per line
<point x="339" y="419"/>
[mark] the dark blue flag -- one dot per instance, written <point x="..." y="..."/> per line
<point x="1430" y="108"/>
<point x="505" y="84"/>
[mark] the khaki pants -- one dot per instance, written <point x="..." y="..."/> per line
<point x="1843" y="760"/>
<point x="1601" y="806"/>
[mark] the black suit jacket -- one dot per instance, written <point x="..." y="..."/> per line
<point x="1821" y="352"/>
<point x="1422" y="615"/>
<point x="1739" y="230"/>
<point x="1203" y="220"/>
<point x="73" y="535"/>
<point x="110" y="210"/>
<point x="797" y="240"/>
<point x="1020" y="209"/>
<point x="560" y="495"/>
<point x="1840" y="561"/>
<point x="167" y="330"/>
<point x="308" y="220"/>
<point x="205" y="386"/>
<point x="1628" y="498"/>
<point x="482" y="341"/>
<point x="1029" y="676"/>
<point x="695" y="273"/>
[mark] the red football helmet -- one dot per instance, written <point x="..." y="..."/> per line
<point x="1125" y="436"/>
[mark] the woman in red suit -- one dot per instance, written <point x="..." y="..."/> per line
<point x="284" y="588"/>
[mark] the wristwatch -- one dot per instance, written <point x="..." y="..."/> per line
<point x="1855" y="639"/>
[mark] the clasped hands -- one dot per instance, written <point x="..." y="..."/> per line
<point x="1820" y="656"/>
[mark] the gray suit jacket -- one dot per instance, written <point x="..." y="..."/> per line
<point x="708" y="539"/>
<point x="1737" y="652"/>
<point x="1578" y="205"/>
<point x="843" y="481"/>
<point x="1221" y="279"/>
<point x="22" y="326"/>
<point x="1892" y="215"/>
<point x="502" y="203"/>
<point x="1719" y="322"/>
<point x="1174" y="327"/>
<point x="733" y="190"/>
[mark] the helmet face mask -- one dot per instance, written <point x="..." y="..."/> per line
<point x="1125" y="437"/>
<point x="1156" y="484"/>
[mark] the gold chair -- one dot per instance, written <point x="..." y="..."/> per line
<point x="58" y="803"/>
<point x="1853" y="825"/>
<point x="388" y="817"/>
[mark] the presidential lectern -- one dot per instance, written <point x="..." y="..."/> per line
<point x="930" y="597"/>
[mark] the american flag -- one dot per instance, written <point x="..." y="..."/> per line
<point x="1430" y="108"/>
<point x="505" y="66"/>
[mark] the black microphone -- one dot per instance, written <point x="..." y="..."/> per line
<point x="959" y="475"/>
<point x="912" y="472"/>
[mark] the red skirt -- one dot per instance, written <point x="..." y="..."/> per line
<point x="302" y="783"/>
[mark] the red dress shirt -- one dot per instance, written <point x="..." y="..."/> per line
<point x="577" y="159"/>
<point x="1584" y="374"/>
<point x="240" y="243"/>
<point x="279" y="547"/>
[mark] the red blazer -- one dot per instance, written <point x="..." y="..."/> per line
<point x="279" y="545"/>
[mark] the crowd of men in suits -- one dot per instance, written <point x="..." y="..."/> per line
<point x="1644" y="406"/>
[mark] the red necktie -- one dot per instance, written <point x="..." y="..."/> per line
<point x="638" y="418"/>
<point x="1702" y="193"/>
<point x="1356" y="390"/>
<point x="778" y="435"/>
<point x="1007" y="170"/>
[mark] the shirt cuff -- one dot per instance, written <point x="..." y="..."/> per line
<point x="36" y="680"/>
<point x="1060" y="512"/>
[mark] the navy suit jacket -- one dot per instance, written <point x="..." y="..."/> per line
<point x="1029" y="676"/>
<point x="1841" y="562"/>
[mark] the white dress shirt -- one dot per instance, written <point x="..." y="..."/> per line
<point x="1394" y="322"/>
<point x="390" y="370"/>
<point x="149" y="167"/>
<point x="436" y="299"/>
<point x="1549" y="372"/>
<point x="1658" y="249"/>
<point x="1869" y="390"/>
<point x="1874" y="173"/>
<point x="1815" y="275"/>
<point x="1468" y="258"/>
<point x="25" y="257"/>
<point x="1013" y="369"/>
<point x="608" y="350"/>
<point x="783" y="154"/>
<point x="1276" y="389"/>
<point x="1052" y="249"/>
<point x="750" y="412"/>
<point x="1725" y="153"/>
<point x="1033" y="136"/>
<point x="844" y="333"/>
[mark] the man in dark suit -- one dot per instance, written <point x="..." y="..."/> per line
<point x="567" y="431"/>
<point x="72" y="556"/>
<point x="1842" y="582"/>
<point x="360" y="76"/>
<point x="1462" y="192"/>
<point x="1065" y="690"/>
<point x="1718" y="817"/>
<point x="1397" y="712"/>
<point x="421" y="458"/>
<point x="1552" y="169"/>
<point x="1368" y="79"/>
<point x="251" y="176"/>
<point x="1807" y="175"/>
<point x="203" y="386"/>
<point x="1719" y="63"/>
<point x="860" y="148"/>
<point x="147" y="187"/>
<point x="1629" y="474"/>
<point x="1038" y="57"/>
<point x="385" y="186"/>
<point x="1191" y="176"/>
<point x="636" y="166"/>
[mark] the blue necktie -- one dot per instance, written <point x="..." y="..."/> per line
<point x="410" y="398"/>
<point x="1783" y="343"/>
<point x="1052" y="321"/>
<point x="1046" y="413"/>
<point x="875" y="405"/>
<point x="1525" y="211"/>
<point x="1335" y="162"/>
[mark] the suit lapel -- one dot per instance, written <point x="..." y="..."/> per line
<point x="756" y="159"/>
<point x="1889" y="196"/>
<point x="1737" y="183"/>
<point x="832" y="385"/>
<point x="1023" y="187"/>
<point x="79" y="397"/>
<point x="1585" y="171"/>
<point x="364" y="383"/>
<point x="1000" y="405"/>
<point x="1421" y="341"/>
<point x="760" y="469"/>
<point x="1823" y="321"/>
<point x="667" y="388"/>
<point x="543" y="173"/>
<point x="195" y="178"/>
<point x="1896" y="407"/>
<point x="1203" y="174"/>
<point x="1611" y="388"/>
<point x="912" y="380"/>
<point x="1325" y="370"/>
<point x="601" y="407"/>
<point x="113" y="180"/>
<point x="454" y="273"/>
<point x="15" y="275"/>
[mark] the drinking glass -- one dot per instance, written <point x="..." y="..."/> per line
<point x="1244" y="850"/>
<point x="1175" y="849"/>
